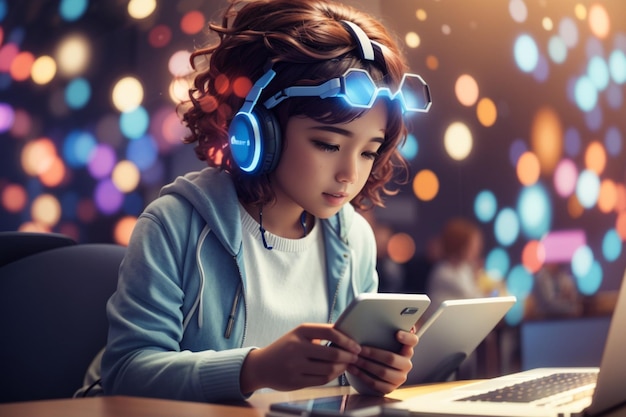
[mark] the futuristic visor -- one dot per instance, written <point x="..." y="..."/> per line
<point x="358" y="89"/>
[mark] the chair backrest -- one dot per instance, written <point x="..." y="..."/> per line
<point x="53" y="318"/>
<point x="15" y="245"/>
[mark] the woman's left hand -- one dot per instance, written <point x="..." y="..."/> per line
<point x="382" y="371"/>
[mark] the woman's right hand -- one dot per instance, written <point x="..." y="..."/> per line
<point x="299" y="359"/>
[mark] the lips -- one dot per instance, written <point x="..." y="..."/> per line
<point x="337" y="195"/>
<point x="336" y="199"/>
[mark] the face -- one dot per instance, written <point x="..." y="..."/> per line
<point x="324" y="166"/>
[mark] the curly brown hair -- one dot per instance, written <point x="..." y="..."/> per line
<point x="305" y="43"/>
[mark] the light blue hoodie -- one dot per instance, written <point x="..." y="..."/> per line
<point x="177" y="321"/>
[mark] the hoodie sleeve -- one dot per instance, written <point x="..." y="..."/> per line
<point x="143" y="356"/>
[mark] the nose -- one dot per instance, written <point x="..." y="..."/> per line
<point x="347" y="171"/>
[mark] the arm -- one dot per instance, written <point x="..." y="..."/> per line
<point x="144" y="356"/>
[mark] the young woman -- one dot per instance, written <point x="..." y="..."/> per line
<point x="235" y="274"/>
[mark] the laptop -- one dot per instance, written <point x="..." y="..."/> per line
<point x="452" y="333"/>
<point x="591" y="390"/>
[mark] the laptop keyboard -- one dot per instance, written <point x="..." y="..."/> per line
<point x="536" y="389"/>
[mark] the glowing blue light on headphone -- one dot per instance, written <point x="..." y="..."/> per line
<point x="359" y="90"/>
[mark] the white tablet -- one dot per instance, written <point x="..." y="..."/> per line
<point x="372" y="319"/>
<point x="452" y="333"/>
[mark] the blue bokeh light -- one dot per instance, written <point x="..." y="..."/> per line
<point x="588" y="188"/>
<point x="591" y="281"/>
<point x="526" y="53"/>
<point x="611" y="245"/>
<point x="134" y="124"/>
<point x="72" y="10"/>
<point x="410" y="148"/>
<point x="497" y="263"/>
<point x="506" y="226"/>
<point x="142" y="152"/>
<point x="585" y="94"/>
<point x="3" y="9"/>
<point x="582" y="261"/>
<point x="519" y="282"/>
<point x="617" y="66"/>
<point x="598" y="72"/>
<point x="485" y="206"/>
<point x="535" y="211"/>
<point x="77" y="93"/>
<point x="78" y="147"/>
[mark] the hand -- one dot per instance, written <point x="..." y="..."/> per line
<point x="378" y="371"/>
<point x="299" y="359"/>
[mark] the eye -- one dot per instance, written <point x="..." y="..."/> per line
<point x="370" y="155"/>
<point x="326" y="147"/>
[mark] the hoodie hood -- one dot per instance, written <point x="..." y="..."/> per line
<point x="212" y="194"/>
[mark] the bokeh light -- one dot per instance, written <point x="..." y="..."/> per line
<point x="486" y="112"/>
<point x="526" y="53"/>
<point x="401" y="247"/>
<point x="73" y="55"/>
<point x="535" y="211"/>
<point x="141" y="9"/>
<point x="127" y="94"/>
<point x="588" y="188"/>
<point x="43" y="70"/>
<point x="425" y="185"/>
<point x="528" y="168"/>
<point x="497" y="263"/>
<point x="547" y="138"/>
<point x="485" y="206"/>
<point x="506" y="226"/>
<point x="466" y="90"/>
<point x="458" y="140"/>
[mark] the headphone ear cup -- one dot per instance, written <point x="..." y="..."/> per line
<point x="271" y="138"/>
<point x="255" y="141"/>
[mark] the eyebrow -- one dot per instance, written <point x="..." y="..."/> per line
<point x="344" y="132"/>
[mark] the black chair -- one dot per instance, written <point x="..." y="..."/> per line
<point x="16" y="245"/>
<point x="53" y="319"/>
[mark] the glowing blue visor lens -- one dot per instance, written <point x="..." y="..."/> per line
<point x="358" y="89"/>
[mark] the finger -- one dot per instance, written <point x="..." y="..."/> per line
<point x="384" y="373"/>
<point x="329" y="353"/>
<point x="329" y="333"/>
<point x="371" y="381"/>
<point x="407" y="338"/>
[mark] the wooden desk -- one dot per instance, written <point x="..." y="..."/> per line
<point x="256" y="406"/>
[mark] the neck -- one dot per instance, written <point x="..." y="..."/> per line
<point x="293" y="224"/>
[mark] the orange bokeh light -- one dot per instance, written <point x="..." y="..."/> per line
<point x="607" y="199"/>
<point x="486" y="112"/>
<point x="595" y="157"/>
<point x="528" y="168"/>
<point x="599" y="21"/>
<point x="425" y="185"/>
<point x="401" y="247"/>
<point x="123" y="230"/>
